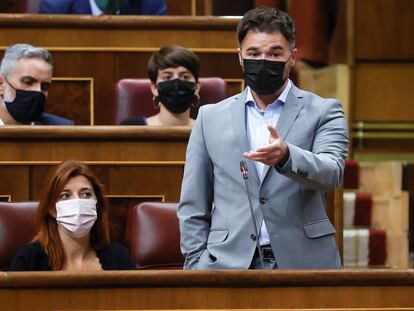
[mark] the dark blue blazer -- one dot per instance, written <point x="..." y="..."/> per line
<point x="51" y="119"/>
<point x="133" y="7"/>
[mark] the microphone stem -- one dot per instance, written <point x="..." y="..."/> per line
<point x="254" y="224"/>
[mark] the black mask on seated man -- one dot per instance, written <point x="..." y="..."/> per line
<point x="264" y="76"/>
<point x="27" y="106"/>
<point x="176" y="95"/>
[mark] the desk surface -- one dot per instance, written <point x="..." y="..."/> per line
<point x="322" y="289"/>
<point x="205" y="278"/>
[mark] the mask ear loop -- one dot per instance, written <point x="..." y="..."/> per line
<point x="5" y="79"/>
<point x="156" y="102"/>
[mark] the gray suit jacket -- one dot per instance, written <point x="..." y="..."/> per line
<point x="215" y="223"/>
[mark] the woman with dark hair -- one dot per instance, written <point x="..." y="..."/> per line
<point x="174" y="73"/>
<point x="72" y="222"/>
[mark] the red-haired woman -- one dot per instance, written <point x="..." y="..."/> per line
<point x="73" y="232"/>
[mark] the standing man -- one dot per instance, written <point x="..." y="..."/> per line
<point x="294" y="143"/>
<point x="25" y="79"/>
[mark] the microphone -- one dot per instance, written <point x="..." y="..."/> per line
<point x="245" y="172"/>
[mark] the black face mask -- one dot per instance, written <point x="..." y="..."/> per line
<point x="264" y="76"/>
<point x="176" y="95"/>
<point x="27" y="106"/>
<point x="110" y="6"/>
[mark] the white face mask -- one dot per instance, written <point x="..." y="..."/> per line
<point x="76" y="216"/>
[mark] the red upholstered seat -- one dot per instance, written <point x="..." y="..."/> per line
<point x="153" y="236"/>
<point x="351" y="174"/>
<point x="133" y="97"/>
<point x="31" y="6"/>
<point x="17" y="228"/>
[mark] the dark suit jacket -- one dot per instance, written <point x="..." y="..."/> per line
<point x="133" y="7"/>
<point x="50" y="119"/>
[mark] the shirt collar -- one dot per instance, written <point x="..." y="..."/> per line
<point x="282" y="97"/>
<point x="94" y="8"/>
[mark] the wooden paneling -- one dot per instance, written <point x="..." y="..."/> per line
<point x="375" y="38"/>
<point x="234" y="86"/>
<point x="15" y="182"/>
<point x="10" y="6"/>
<point x="118" y="31"/>
<point x="72" y="98"/>
<point x="384" y="30"/>
<point x="205" y="290"/>
<point x="183" y="7"/>
<point x="338" y="49"/>
<point x="384" y="92"/>
<point x="100" y="66"/>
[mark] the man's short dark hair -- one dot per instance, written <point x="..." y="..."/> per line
<point x="268" y="20"/>
<point x="172" y="57"/>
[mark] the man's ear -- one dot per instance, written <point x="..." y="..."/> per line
<point x="154" y="89"/>
<point x="240" y="57"/>
<point x="198" y="87"/>
<point x="2" y="85"/>
<point x="294" y="56"/>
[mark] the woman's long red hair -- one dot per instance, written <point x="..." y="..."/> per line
<point x="47" y="234"/>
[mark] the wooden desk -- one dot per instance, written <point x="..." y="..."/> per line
<point x="172" y="290"/>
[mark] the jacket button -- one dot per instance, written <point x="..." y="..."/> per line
<point x="253" y="237"/>
<point x="262" y="201"/>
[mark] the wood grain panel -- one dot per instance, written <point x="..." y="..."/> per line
<point x="9" y="6"/>
<point x="384" y="92"/>
<point x="162" y="182"/>
<point x="338" y="49"/>
<point x="384" y="30"/>
<point x="119" y="31"/>
<point x="183" y="7"/>
<point x="213" y="63"/>
<point x="15" y="182"/>
<point x="234" y="86"/>
<point x="97" y="65"/>
<point x="201" y="290"/>
<point x="72" y="98"/>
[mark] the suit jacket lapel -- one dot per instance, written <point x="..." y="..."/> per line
<point x="290" y="110"/>
<point x="238" y="116"/>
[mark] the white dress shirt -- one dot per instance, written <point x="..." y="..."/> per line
<point x="258" y="134"/>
